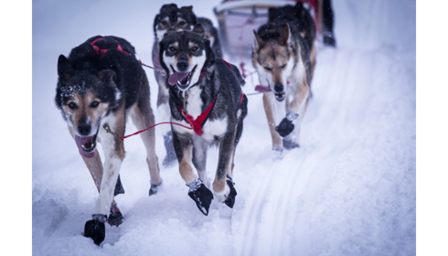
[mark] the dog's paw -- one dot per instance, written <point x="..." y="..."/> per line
<point x="289" y="144"/>
<point x="95" y="228"/>
<point x="154" y="188"/>
<point x="230" y="201"/>
<point x="115" y="216"/>
<point x="278" y="152"/>
<point x="201" y="195"/>
<point x="285" y="127"/>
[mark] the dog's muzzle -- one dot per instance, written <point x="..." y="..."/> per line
<point x="86" y="145"/>
<point x="279" y="96"/>
<point x="279" y="92"/>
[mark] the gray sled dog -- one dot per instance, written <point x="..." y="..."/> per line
<point x="172" y="18"/>
<point x="284" y="58"/>
<point x="204" y="93"/>
<point x="99" y="85"/>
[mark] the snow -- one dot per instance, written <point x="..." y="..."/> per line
<point x="350" y="189"/>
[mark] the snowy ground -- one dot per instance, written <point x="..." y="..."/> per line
<point x="349" y="190"/>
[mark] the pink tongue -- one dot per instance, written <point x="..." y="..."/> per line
<point x="81" y="141"/>
<point x="261" y="88"/>
<point x="177" y="76"/>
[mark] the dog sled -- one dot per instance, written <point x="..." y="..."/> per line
<point x="237" y="20"/>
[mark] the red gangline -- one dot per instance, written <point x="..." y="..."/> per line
<point x="127" y="136"/>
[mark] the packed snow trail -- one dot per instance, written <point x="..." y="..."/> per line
<point x="348" y="190"/>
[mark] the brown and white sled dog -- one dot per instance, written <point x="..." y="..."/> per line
<point x="205" y="93"/>
<point x="281" y="57"/>
<point x="99" y="85"/>
<point x="173" y="18"/>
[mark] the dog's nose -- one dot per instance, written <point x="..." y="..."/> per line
<point x="278" y="88"/>
<point x="182" y="65"/>
<point x="84" y="129"/>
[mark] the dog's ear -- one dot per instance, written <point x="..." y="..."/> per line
<point x="107" y="76"/>
<point x="168" y="7"/>
<point x="258" y="42"/>
<point x="188" y="8"/>
<point x="65" y="69"/>
<point x="199" y="29"/>
<point x="284" y="36"/>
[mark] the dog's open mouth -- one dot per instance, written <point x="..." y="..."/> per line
<point x="280" y="96"/>
<point x="182" y="79"/>
<point x="86" y="145"/>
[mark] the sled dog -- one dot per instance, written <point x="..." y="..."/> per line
<point x="283" y="56"/>
<point x="99" y="85"/>
<point x="204" y="93"/>
<point x="172" y="18"/>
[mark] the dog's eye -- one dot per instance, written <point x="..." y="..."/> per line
<point x="283" y="66"/>
<point x="72" y="105"/>
<point x="182" y="23"/>
<point x="94" y="104"/>
<point x="172" y="49"/>
<point x="268" y="68"/>
<point x="194" y="48"/>
<point x="164" y="23"/>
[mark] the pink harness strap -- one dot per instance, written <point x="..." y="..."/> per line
<point x="100" y="51"/>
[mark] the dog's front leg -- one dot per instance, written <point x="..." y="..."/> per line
<point x="273" y="114"/>
<point x="198" y="191"/>
<point x="200" y="159"/>
<point x="296" y="112"/>
<point x="225" y="194"/>
<point x="114" y="155"/>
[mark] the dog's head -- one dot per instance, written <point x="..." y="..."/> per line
<point x="183" y="55"/>
<point x="172" y="18"/>
<point x="299" y="15"/>
<point x="84" y="99"/>
<point x="273" y="57"/>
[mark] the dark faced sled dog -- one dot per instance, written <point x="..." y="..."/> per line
<point x="205" y="93"/>
<point x="284" y="60"/>
<point x="172" y="18"/>
<point x="99" y="85"/>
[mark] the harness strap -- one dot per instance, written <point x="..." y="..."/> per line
<point x="98" y="50"/>
<point x="200" y="120"/>
<point x="197" y="123"/>
<point x="241" y="100"/>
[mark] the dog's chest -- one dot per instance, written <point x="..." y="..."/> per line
<point x="211" y="128"/>
<point x="194" y="103"/>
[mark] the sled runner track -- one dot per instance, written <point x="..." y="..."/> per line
<point x="252" y="216"/>
<point x="265" y="224"/>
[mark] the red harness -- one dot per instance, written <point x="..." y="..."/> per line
<point x="100" y="51"/>
<point x="199" y="122"/>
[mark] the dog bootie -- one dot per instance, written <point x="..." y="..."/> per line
<point x="328" y="39"/>
<point x="95" y="228"/>
<point x="286" y="126"/>
<point x="118" y="187"/>
<point x="170" y="157"/>
<point x="230" y="201"/>
<point x="201" y="195"/>
<point x="154" y="188"/>
<point x="115" y="216"/>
